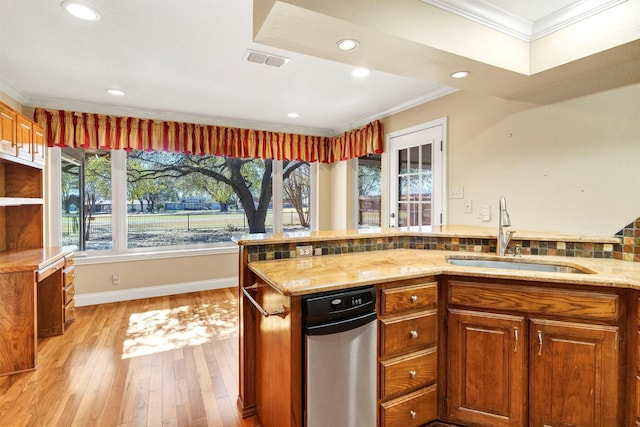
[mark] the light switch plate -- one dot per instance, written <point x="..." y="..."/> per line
<point x="485" y="213"/>
<point x="468" y="206"/>
<point x="456" y="193"/>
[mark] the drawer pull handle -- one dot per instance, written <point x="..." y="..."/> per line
<point x="414" y="298"/>
<point x="413" y="414"/>
<point x="515" y="338"/>
<point x="413" y="334"/>
<point x="413" y="374"/>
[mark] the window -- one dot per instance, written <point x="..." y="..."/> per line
<point x="175" y="200"/>
<point x="369" y="191"/>
<point x="296" y="194"/>
<point x="86" y="199"/>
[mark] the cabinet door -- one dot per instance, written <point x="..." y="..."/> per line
<point x="487" y="373"/>
<point x="24" y="137"/>
<point x="38" y="145"/>
<point x="8" y="131"/>
<point x="574" y="374"/>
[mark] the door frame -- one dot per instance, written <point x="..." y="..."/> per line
<point x="391" y="180"/>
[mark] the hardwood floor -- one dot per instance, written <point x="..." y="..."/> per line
<point x="166" y="361"/>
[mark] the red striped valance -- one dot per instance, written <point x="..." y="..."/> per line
<point x="98" y="131"/>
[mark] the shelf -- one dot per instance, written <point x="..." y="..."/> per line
<point x="20" y="201"/>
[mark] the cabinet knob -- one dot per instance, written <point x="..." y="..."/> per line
<point x="414" y="298"/>
<point x="413" y="414"/>
<point x="413" y="334"/>
<point x="413" y="374"/>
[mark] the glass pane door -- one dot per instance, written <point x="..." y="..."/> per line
<point x="417" y="177"/>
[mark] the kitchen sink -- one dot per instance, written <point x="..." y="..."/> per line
<point x="518" y="265"/>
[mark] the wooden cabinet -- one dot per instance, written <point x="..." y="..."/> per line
<point x="31" y="283"/>
<point x="18" y="326"/>
<point x="574" y="375"/>
<point x="21" y="184"/>
<point x="487" y="368"/>
<point x="563" y="343"/>
<point x="8" y="131"/>
<point x="24" y="138"/>
<point x="408" y="338"/>
<point x="39" y="145"/>
<point x="68" y="291"/>
<point x="21" y="139"/>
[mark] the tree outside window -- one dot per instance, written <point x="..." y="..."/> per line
<point x="176" y="199"/>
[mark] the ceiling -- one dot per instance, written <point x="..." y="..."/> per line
<point x="186" y="60"/>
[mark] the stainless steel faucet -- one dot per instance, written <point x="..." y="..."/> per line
<point x="503" y="221"/>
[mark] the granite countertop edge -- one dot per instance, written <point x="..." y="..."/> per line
<point x="301" y="276"/>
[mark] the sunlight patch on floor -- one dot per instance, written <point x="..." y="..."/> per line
<point x="156" y="331"/>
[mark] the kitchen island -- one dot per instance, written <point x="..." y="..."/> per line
<point x="475" y="314"/>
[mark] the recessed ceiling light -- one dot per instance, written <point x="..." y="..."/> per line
<point x="347" y="44"/>
<point x="116" y="92"/>
<point x="80" y="10"/>
<point x="293" y="115"/>
<point x="460" y="74"/>
<point x="360" y="72"/>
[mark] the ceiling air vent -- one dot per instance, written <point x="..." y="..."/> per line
<point x="265" y="58"/>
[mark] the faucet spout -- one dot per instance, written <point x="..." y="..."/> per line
<point x="503" y="221"/>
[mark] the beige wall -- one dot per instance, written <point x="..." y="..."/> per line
<point x="571" y="166"/>
<point x="96" y="278"/>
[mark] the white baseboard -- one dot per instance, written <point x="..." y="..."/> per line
<point x="153" y="291"/>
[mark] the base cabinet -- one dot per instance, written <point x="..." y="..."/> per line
<point x="523" y="369"/>
<point x="574" y="375"/>
<point x="487" y="368"/>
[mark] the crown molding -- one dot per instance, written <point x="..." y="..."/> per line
<point x="11" y="92"/>
<point x="486" y="13"/>
<point x="429" y="96"/>
<point x="569" y="16"/>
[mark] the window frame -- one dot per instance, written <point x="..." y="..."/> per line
<point x="119" y="250"/>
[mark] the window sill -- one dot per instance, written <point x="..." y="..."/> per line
<point x="83" y="258"/>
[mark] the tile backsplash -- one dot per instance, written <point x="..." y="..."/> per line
<point x="526" y="247"/>
<point x="629" y="248"/>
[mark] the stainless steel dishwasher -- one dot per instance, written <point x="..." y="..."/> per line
<point x="340" y="335"/>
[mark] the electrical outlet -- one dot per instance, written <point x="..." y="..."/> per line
<point x="115" y="279"/>
<point x="468" y="207"/>
<point x="302" y="251"/>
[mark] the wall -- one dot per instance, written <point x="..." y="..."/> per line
<point x="568" y="167"/>
<point x="151" y="277"/>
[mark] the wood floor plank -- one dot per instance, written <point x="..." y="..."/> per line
<point x="166" y="361"/>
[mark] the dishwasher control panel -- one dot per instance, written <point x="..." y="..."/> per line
<point x="338" y="305"/>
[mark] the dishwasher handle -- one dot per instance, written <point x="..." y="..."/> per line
<point x="282" y="312"/>
<point x="341" y="325"/>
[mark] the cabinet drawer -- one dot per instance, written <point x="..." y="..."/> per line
<point x="69" y="293"/>
<point x="69" y="276"/>
<point x="421" y="296"/>
<point x="406" y="373"/>
<point x="414" y="409"/>
<point x="68" y="261"/>
<point x="50" y="269"/>
<point x="535" y="300"/>
<point x="408" y="333"/>
<point x="69" y="311"/>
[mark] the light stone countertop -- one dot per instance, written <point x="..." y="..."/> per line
<point x="300" y="276"/>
